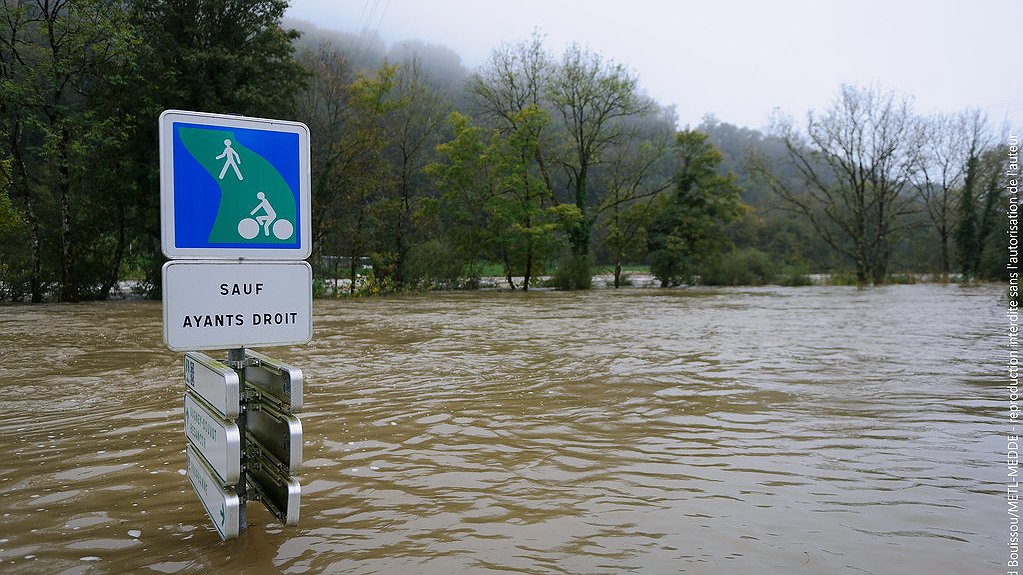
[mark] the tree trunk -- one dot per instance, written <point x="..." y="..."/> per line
<point x="69" y="285"/>
<point x="35" y="249"/>
<point x="507" y="271"/>
<point x="529" y="267"/>
<point x="115" y="266"/>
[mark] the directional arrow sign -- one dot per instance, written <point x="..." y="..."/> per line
<point x="214" y="382"/>
<point x="234" y="187"/>
<point x="216" y="440"/>
<point x="276" y="379"/>
<point x="221" y="503"/>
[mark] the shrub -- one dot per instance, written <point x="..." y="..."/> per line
<point x="748" y="266"/>
<point x="574" y="272"/>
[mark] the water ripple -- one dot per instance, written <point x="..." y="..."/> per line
<point x="779" y="430"/>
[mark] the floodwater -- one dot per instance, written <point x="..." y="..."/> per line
<point x="805" y="430"/>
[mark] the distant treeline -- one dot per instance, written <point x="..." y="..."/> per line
<point x="426" y="174"/>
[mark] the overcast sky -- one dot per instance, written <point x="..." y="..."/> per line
<point x="738" y="59"/>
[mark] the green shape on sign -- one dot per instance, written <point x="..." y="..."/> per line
<point x="256" y="204"/>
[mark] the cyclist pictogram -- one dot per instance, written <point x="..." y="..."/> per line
<point x="249" y="228"/>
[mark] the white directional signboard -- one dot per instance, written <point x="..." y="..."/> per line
<point x="221" y="304"/>
<point x="234" y="187"/>
<point x="221" y="503"/>
<point x="213" y="381"/>
<point x="218" y="441"/>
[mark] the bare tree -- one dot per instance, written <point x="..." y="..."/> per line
<point x="855" y="163"/>
<point x="947" y="146"/>
<point x="326" y="106"/>
<point x="591" y="95"/>
<point x="514" y="78"/>
<point x="639" y="168"/>
<point x="511" y="82"/>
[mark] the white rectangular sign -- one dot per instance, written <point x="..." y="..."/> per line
<point x="216" y="383"/>
<point x="216" y="304"/>
<point x="218" y="441"/>
<point x="221" y="503"/>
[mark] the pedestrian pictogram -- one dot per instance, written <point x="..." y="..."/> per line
<point x="231" y="162"/>
<point x="234" y="187"/>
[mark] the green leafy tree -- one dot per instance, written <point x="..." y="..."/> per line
<point x="56" y="58"/>
<point x="364" y="175"/>
<point x="465" y="176"/>
<point x="12" y="224"/>
<point x="222" y="56"/>
<point x="980" y="249"/>
<point x="686" y="230"/>
<point x="401" y="116"/>
<point x="497" y="202"/>
<point x="522" y="204"/>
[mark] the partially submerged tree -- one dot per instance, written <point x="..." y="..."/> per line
<point x="686" y="231"/>
<point x="855" y="163"/>
<point x="945" y="177"/>
<point x="56" y="59"/>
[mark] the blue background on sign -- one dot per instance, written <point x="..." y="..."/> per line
<point x="197" y="195"/>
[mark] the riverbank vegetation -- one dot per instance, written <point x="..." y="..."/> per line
<point x="427" y="174"/>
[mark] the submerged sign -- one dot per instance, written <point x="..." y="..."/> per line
<point x="214" y="382"/>
<point x="235" y="223"/>
<point x="234" y="187"/>
<point x="222" y="504"/>
<point x="218" y="441"/>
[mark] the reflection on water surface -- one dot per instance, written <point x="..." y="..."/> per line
<point x="803" y="430"/>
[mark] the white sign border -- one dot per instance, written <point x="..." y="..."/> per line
<point x="167" y="120"/>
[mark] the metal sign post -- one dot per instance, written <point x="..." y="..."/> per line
<point x="255" y="456"/>
<point x="235" y="220"/>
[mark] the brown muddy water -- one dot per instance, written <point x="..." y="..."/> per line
<point x="773" y="430"/>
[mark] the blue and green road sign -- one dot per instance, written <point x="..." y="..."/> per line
<point x="234" y="187"/>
